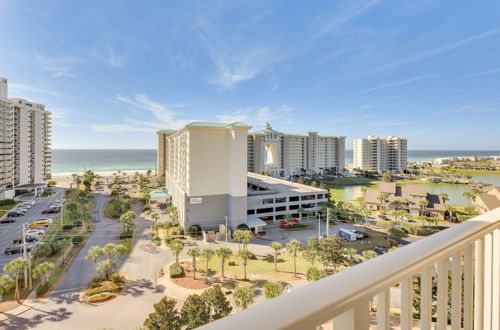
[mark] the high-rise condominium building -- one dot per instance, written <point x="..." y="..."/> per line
<point x="25" y="142"/>
<point x="280" y="154"/>
<point x="381" y="155"/>
<point x="206" y="172"/>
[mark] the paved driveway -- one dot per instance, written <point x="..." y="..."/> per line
<point x="62" y="310"/>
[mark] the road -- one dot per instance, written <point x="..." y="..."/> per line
<point x="106" y="230"/>
<point x="62" y="310"/>
<point x="11" y="231"/>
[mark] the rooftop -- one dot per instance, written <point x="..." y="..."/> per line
<point x="280" y="186"/>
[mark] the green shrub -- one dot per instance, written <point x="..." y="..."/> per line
<point x="117" y="278"/>
<point x="397" y="232"/>
<point x="41" y="289"/>
<point x="243" y="226"/>
<point x="77" y="239"/>
<point x="102" y="288"/>
<point x="68" y="227"/>
<point x="195" y="230"/>
<point x="147" y="208"/>
<point x="176" y="270"/>
<point x="365" y="234"/>
<point x="180" y="230"/>
<point x="156" y="241"/>
<point x="117" y="207"/>
<point x="427" y="231"/>
<point x="6" y="202"/>
<point x="297" y="225"/>
<point x="78" y="223"/>
<point x="126" y="235"/>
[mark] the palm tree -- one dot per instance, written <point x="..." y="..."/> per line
<point x="6" y="282"/>
<point x="245" y="254"/>
<point x="155" y="216"/>
<point x="207" y="254"/>
<point x="246" y="237"/>
<point x="382" y="198"/>
<point x="95" y="252"/>
<point x="293" y="247"/>
<point x="128" y="220"/>
<point x="244" y="296"/>
<point x="469" y="195"/>
<point x="276" y="246"/>
<point x="423" y="205"/>
<point x="15" y="267"/>
<point x="194" y="253"/>
<point x="223" y="253"/>
<point x="43" y="271"/>
<point x="176" y="246"/>
<point x="167" y="226"/>
<point x="444" y="197"/>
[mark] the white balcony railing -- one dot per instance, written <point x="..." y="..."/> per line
<point x="467" y="253"/>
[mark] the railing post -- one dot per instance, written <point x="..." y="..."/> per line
<point x="468" y="289"/>
<point x="488" y="269"/>
<point x="384" y="310"/>
<point x="406" y="318"/>
<point x="426" y="298"/>
<point x="442" y="294"/>
<point x="478" y="283"/>
<point x="495" y="322"/>
<point x="456" y="291"/>
<point x="356" y="318"/>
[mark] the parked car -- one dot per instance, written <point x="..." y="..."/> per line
<point x="29" y="239"/>
<point x="379" y="249"/>
<point x="7" y="220"/>
<point x="36" y="232"/>
<point x="12" y="214"/>
<point x="14" y="249"/>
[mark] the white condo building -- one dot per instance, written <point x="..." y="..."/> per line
<point x="25" y="142"/>
<point x="379" y="154"/>
<point x="205" y="168"/>
<point x="281" y="154"/>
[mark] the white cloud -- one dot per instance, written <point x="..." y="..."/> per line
<point x="114" y="60"/>
<point x="438" y="50"/>
<point x="60" y="116"/>
<point x="163" y="117"/>
<point x="259" y="116"/>
<point x="58" y="66"/>
<point x="485" y="73"/>
<point x="20" y="89"/>
<point x="365" y="107"/>
<point x="398" y="83"/>
<point x="479" y="107"/>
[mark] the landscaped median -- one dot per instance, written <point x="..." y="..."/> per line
<point x="101" y="289"/>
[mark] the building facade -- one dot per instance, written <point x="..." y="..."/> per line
<point x="283" y="155"/>
<point x="205" y="166"/>
<point x="379" y="154"/>
<point x="25" y="142"/>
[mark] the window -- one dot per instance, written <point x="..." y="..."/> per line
<point x="294" y="199"/>
<point x="320" y="196"/>
<point x="266" y="210"/>
<point x="307" y="206"/>
<point x="308" y="197"/>
<point x="280" y="208"/>
<point x="268" y="201"/>
<point x="281" y="200"/>
<point x="250" y="211"/>
<point x="293" y="207"/>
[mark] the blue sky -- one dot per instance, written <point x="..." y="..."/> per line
<point x="113" y="72"/>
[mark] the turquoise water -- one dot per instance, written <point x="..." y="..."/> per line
<point x="68" y="161"/>
<point x="454" y="191"/>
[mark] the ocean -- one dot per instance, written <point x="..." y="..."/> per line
<point x="68" y="161"/>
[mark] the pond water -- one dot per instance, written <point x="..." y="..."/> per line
<point x="454" y="191"/>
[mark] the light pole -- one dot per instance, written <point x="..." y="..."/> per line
<point x="25" y="255"/>
<point x="226" y="227"/>
<point x="319" y="227"/>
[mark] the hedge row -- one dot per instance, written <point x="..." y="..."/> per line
<point x="103" y="288"/>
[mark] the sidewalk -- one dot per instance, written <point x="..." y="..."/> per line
<point x="26" y="305"/>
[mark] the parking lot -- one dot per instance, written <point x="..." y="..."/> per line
<point x="12" y="231"/>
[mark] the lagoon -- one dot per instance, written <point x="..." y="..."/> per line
<point x="454" y="191"/>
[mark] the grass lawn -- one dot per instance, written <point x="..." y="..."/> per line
<point x="471" y="171"/>
<point x="127" y="244"/>
<point x="374" y="238"/>
<point x="257" y="269"/>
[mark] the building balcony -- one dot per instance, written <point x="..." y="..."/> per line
<point x="461" y="263"/>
